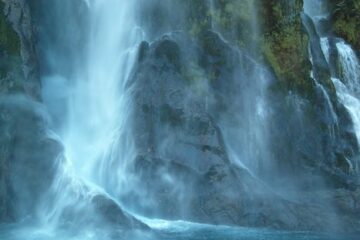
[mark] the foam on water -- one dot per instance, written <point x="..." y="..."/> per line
<point x="164" y="230"/>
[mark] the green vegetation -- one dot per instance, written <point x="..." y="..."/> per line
<point x="10" y="56"/>
<point x="197" y="78"/>
<point x="9" y="41"/>
<point x="198" y="18"/>
<point x="285" y="45"/>
<point x="346" y="20"/>
<point x="236" y="19"/>
<point x="282" y="40"/>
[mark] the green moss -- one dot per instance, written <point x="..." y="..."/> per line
<point x="9" y="40"/>
<point x="11" y="74"/>
<point x="236" y="20"/>
<point x="174" y="117"/>
<point x="283" y="43"/>
<point x="198" y="27"/>
<point x="197" y="78"/>
<point x="348" y="29"/>
<point x="240" y="10"/>
<point x="198" y="16"/>
<point x="285" y="46"/>
<point x="346" y="20"/>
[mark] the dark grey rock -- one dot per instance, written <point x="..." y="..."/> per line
<point x="31" y="160"/>
<point x="28" y="154"/>
<point x="18" y="14"/>
<point x="183" y="169"/>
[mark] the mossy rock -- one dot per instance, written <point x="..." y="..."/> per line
<point x="10" y="56"/>
<point x="9" y="40"/>
<point x="285" y="45"/>
<point x="170" y="51"/>
<point x="282" y="39"/>
<point x="346" y="20"/>
<point x="199" y="18"/>
<point x="235" y="19"/>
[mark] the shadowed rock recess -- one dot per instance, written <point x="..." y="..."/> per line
<point x="240" y="113"/>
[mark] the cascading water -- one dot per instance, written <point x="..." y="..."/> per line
<point x="212" y="13"/>
<point x="98" y="106"/>
<point x="247" y="140"/>
<point x="347" y="88"/>
<point x="317" y="11"/>
<point x="95" y="133"/>
<point x="350" y="66"/>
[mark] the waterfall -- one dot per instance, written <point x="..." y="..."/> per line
<point x="350" y="67"/>
<point x="344" y="71"/>
<point x="348" y="90"/>
<point x="351" y="103"/>
<point x="325" y="47"/>
<point x="212" y="13"/>
<point x="204" y="123"/>
<point x="95" y="133"/>
<point x="329" y="111"/>
<point x="347" y="87"/>
<point x="316" y="8"/>
<point x="98" y="105"/>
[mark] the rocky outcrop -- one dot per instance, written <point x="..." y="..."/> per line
<point x="325" y="124"/>
<point x="18" y="47"/>
<point x="31" y="178"/>
<point x="22" y="120"/>
<point x="27" y="158"/>
<point x="284" y="38"/>
<point x="10" y="60"/>
<point x="30" y="155"/>
<point x="183" y="169"/>
<point x="182" y="96"/>
<point x="346" y="21"/>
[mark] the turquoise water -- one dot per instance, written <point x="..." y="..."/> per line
<point x="163" y="230"/>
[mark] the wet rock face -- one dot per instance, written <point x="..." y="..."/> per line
<point x="10" y="59"/>
<point x="175" y="137"/>
<point x="21" y="53"/>
<point x="346" y="21"/>
<point x="86" y="208"/>
<point x="170" y="110"/>
<point x="111" y="213"/>
<point x="284" y="38"/>
<point x="178" y="141"/>
<point x="183" y="169"/>
<point x="325" y="132"/>
<point x="31" y="160"/>
<point x="28" y="156"/>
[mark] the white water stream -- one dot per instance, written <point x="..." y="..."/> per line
<point x="348" y="86"/>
